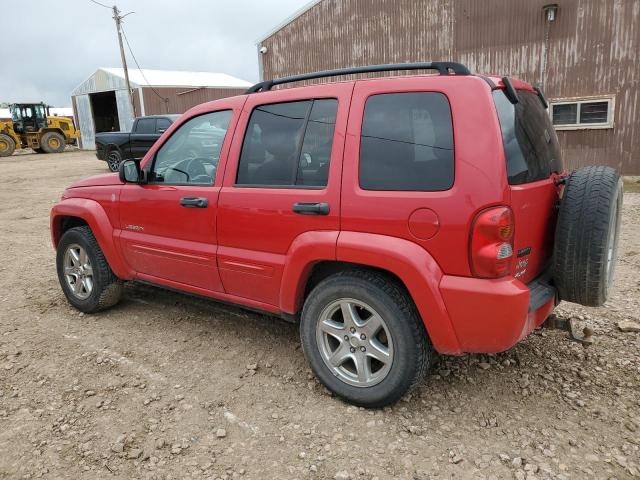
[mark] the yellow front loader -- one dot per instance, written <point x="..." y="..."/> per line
<point x="31" y="126"/>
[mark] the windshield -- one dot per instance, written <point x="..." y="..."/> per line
<point x="15" y="114"/>
<point x="530" y="143"/>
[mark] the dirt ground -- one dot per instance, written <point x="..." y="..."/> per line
<point x="165" y="386"/>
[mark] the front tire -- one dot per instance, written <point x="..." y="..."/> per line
<point x="7" y="145"/>
<point x="83" y="272"/>
<point x="364" y="339"/>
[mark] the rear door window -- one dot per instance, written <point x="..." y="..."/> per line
<point x="530" y="143"/>
<point x="146" y="125"/>
<point x="407" y="143"/>
<point x="162" y="124"/>
<point x="288" y="144"/>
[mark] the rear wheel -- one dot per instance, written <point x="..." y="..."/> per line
<point x="7" y="145"/>
<point x="52" y="142"/>
<point x="586" y="240"/>
<point x="83" y="272"/>
<point x="114" y="159"/>
<point x="364" y="339"/>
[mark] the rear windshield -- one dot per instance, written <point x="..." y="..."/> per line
<point x="530" y="143"/>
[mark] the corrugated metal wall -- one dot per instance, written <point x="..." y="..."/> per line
<point x="593" y="49"/>
<point x="157" y="101"/>
<point x="181" y="99"/>
<point x="125" y="111"/>
<point x="84" y="115"/>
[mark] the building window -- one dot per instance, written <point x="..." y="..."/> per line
<point x="575" y="114"/>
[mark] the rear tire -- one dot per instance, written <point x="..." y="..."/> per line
<point x="114" y="159"/>
<point x="52" y="142"/>
<point x="586" y="239"/>
<point x="334" y="347"/>
<point x="7" y="145"/>
<point x="83" y="272"/>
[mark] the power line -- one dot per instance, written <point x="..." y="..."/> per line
<point x="101" y="4"/>
<point x="140" y="69"/>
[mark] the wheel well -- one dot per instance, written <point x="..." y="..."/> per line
<point x="62" y="224"/>
<point x="52" y="130"/>
<point x="322" y="270"/>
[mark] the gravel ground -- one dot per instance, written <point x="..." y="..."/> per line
<point x="165" y="386"/>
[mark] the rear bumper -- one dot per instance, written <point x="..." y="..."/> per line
<point x="490" y="316"/>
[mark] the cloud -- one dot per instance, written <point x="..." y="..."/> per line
<point x="63" y="42"/>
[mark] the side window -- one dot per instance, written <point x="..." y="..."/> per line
<point x="407" y="143"/>
<point x="288" y="144"/>
<point x="162" y="124"/>
<point x="191" y="154"/>
<point x="146" y="125"/>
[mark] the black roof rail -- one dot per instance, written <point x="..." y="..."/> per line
<point x="444" y="68"/>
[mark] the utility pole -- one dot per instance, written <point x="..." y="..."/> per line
<point x="118" y="19"/>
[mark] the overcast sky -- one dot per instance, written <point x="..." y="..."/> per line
<point x="50" y="47"/>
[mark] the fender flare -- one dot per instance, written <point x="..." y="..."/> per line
<point x="91" y="212"/>
<point x="306" y="250"/>
<point x="416" y="268"/>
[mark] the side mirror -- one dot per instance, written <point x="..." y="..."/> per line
<point x="130" y="172"/>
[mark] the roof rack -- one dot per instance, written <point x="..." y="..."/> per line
<point x="444" y="68"/>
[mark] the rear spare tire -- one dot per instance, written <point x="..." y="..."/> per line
<point x="586" y="239"/>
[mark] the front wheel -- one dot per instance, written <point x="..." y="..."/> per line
<point x="364" y="339"/>
<point x="7" y="145"/>
<point x="83" y="272"/>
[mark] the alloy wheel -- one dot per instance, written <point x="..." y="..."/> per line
<point x="78" y="271"/>
<point x="355" y="342"/>
<point x="113" y="160"/>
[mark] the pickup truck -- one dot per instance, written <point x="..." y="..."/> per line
<point x="114" y="147"/>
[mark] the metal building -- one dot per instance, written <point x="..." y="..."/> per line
<point x="584" y="54"/>
<point x="101" y="103"/>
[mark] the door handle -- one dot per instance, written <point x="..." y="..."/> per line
<point x="311" y="208"/>
<point x="194" y="202"/>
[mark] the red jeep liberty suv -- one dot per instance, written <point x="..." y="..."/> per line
<point x="393" y="217"/>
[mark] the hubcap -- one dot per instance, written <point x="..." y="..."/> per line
<point x="354" y="342"/>
<point x="54" y="142"/>
<point x="114" y="161"/>
<point x="78" y="271"/>
<point x="3" y="146"/>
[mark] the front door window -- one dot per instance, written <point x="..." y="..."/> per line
<point x="190" y="156"/>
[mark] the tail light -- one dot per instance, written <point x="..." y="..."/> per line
<point x="491" y="244"/>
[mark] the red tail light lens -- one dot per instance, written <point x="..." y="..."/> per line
<point x="491" y="244"/>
